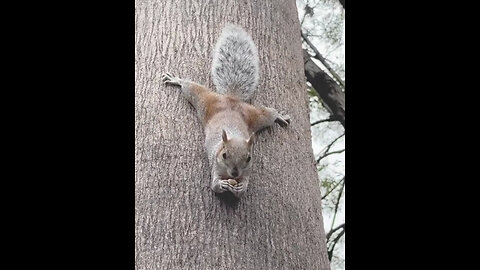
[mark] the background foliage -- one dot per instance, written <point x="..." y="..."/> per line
<point x="323" y="23"/>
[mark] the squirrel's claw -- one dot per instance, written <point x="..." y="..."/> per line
<point x="235" y="189"/>
<point x="283" y="119"/>
<point x="238" y="190"/>
<point x="168" y="78"/>
<point x="224" y="184"/>
<point x="238" y="187"/>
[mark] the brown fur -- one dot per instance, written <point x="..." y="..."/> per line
<point x="213" y="103"/>
<point x="217" y="103"/>
<point x="212" y="106"/>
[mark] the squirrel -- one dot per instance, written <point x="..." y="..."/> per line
<point x="230" y="122"/>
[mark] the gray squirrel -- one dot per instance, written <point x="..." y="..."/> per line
<point x="229" y="121"/>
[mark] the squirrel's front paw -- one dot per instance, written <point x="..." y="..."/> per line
<point x="231" y="185"/>
<point x="283" y="119"/>
<point x="220" y="186"/>
<point x="238" y="190"/>
<point x="168" y="78"/>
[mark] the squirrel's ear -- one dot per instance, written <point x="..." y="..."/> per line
<point x="224" y="136"/>
<point x="251" y="139"/>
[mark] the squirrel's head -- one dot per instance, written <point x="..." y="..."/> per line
<point x="235" y="156"/>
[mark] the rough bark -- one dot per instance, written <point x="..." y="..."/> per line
<point x="329" y="91"/>
<point x="179" y="222"/>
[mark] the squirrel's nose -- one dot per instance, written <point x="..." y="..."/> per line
<point x="235" y="172"/>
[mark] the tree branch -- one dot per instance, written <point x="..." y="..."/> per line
<point x="332" y="230"/>
<point x="334" y="141"/>
<point x="303" y="18"/>
<point x="324" y="61"/>
<point x="329" y="91"/>
<point x="336" y="204"/>
<point x="334" y="242"/>
<point x="329" y="234"/>
<point x="330" y="119"/>
<point x="330" y="153"/>
<point x="332" y="189"/>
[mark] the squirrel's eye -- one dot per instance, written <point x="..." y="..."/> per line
<point x="225" y="155"/>
<point x="248" y="158"/>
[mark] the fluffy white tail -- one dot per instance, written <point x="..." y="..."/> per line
<point x="235" y="66"/>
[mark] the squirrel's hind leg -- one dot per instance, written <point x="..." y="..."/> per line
<point x="283" y="119"/>
<point x="195" y="93"/>
<point x="265" y="117"/>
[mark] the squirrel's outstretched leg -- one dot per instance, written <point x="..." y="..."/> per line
<point x="195" y="93"/>
<point x="266" y="117"/>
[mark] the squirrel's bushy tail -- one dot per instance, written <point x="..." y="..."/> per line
<point x="235" y="67"/>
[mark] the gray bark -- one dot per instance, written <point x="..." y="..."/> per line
<point x="179" y="222"/>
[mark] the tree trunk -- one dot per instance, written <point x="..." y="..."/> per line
<point x="179" y="222"/>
